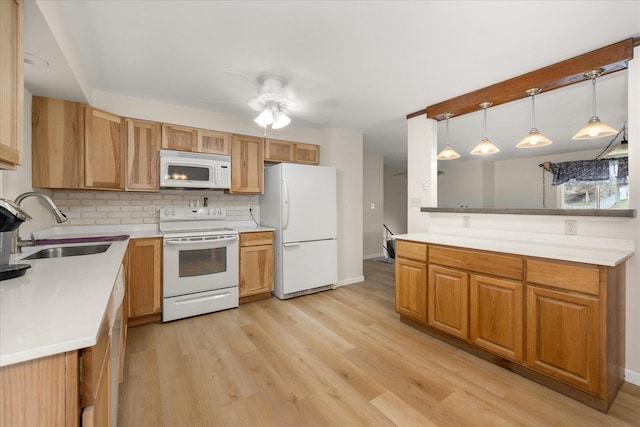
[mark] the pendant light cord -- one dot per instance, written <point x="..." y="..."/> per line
<point x="593" y="96"/>
<point x="485" y="122"/>
<point x="533" y="105"/>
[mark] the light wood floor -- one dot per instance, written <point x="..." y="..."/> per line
<point x="337" y="358"/>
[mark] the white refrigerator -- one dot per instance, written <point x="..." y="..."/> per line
<point x="300" y="202"/>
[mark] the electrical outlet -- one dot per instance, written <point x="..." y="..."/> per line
<point x="151" y="209"/>
<point x="416" y="202"/>
<point x="571" y="227"/>
<point x="466" y="221"/>
<point x="250" y="205"/>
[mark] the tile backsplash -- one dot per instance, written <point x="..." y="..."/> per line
<point x="107" y="208"/>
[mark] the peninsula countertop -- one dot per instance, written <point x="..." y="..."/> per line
<point x="599" y="251"/>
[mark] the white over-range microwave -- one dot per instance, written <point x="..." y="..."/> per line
<point x="181" y="169"/>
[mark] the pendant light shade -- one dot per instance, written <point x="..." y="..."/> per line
<point x="594" y="128"/>
<point x="620" y="150"/>
<point x="534" y="139"/>
<point x="447" y="152"/>
<point x="485" y="147"/>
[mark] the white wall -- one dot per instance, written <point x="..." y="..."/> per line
<point x="343" y="149"/>
<point x="373" y="205"/>
<point x="518" y="182"/>
<point x="610" y="227"/>
<point x="422" y="185"/>
<point x="395" y="199"/>
<point x="461" y="183"/>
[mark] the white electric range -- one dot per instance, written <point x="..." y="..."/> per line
<point x="200" y="261"/>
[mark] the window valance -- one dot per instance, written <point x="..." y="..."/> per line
<point x="591" y="170"/>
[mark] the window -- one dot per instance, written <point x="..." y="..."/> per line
<point x="594" y="195"/>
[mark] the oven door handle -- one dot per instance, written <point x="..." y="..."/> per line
<point x="201" y="244"/>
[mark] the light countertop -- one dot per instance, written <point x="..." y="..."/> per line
<point x="606" y="252"/>
<point x="59" y="304"/>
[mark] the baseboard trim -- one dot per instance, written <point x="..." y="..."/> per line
<point x="632" y="377"/>
<point x="350" y="281"/>
<point x="381" y="254"/>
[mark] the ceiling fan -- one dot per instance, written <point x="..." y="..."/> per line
<point x="272" y="102"/>
<point x="281" y="95"/>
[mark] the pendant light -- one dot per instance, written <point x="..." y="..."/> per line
<point x="534" y="139"/>
<point x="447" y="152"/>
<point x="594" y="127"/>
<point x="620" y="150"/>
<point x="485" y="147"/>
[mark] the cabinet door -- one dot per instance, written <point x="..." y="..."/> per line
<point x="256" y="270"/>
<point x="143" y="151"/>
<point x="179" y="138"/>
<point x="11" y="84"/>
<point x="103" y="150"/>
<point x="411" y="289"/>
<point x="449" y="300"/>
<point x="563" y="336"/>
<point x="278" y="151"/>
<point x="307" y="153"/>
<point x="496" y="316"/>
<point x="213" y="142"/>
<point x="99" y="414"/>
<point x="247" y="164"/>
<point x="145" y="269"/>
<point x="56" y="143"/>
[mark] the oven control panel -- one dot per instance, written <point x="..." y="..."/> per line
<point x="181" y="213"/>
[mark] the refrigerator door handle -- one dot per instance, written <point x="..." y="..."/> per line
<point x="288" y="245"/>
<point x="285" y="205"/>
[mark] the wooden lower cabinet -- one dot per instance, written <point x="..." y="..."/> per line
<point x="145" y="281"/>
<point x="559" y="323"/>
<point x="448" y="295"/>
<point x="256" y="266"/>
<point x="496" y="315"/>
<point x="41" y="392"/>
<point x="563" y="336"/>
<point x="411" y="289"/>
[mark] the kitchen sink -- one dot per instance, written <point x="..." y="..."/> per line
<point x="64" y="251"/>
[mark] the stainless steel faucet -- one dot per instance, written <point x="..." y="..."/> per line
<point x="60" y="217"/>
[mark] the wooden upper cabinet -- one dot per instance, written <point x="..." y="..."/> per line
<point x="306" y="153"/>
<point x="103" y="150"/>
<point x="278" y="151"/>
<point x="11" y="84"/>
<point x="56" y="143"/>
<point x="293" y="152"/>
<point x="247" y="165"/>
<point x="179" y="138"/>
<point x="143" y="151"/>
<point x="213" y="142"/>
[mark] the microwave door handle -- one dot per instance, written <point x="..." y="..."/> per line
<point x="285" y="204"/>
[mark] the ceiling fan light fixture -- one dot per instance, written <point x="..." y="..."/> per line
<point x="447" y="153"/>
<point x="485" y="147"/>
<point x="534" y="138"/>
<point x="265" y="118"/>
<point x="594" y="128"/>
<point x="280" y="120"/>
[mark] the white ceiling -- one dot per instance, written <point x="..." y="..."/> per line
<point x="361" y="65"/>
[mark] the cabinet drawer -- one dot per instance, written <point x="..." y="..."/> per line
<point x="573" y="277"/>
<point x="92" y="360"/>
<point x="256" y="239"/>
<point x="411" y="250"/>
<point x="506" y="266"/>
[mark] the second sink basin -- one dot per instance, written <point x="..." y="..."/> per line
<point x="64" y="251"/>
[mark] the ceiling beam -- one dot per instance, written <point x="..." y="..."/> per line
<point x="611" y="58"/>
